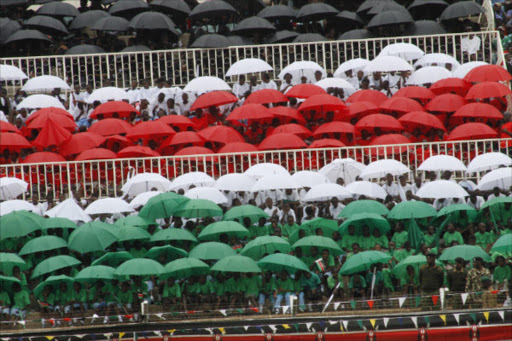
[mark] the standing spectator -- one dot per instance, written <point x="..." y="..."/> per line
<point x="457" y="281"/>
<point x="474" y="281"/>
<point x="431" y="279"/>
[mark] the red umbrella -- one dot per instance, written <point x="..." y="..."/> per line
<point x="287" y="115"/>
<point x="122" y="140"/>
<point x="449" y="85"/>
<point x="52" y="134"/>
<point x="80" y="142"/>
<point x="108" y="110"/>
<point x="445" y="103"/>
<point x="326" y="143"/>
<point x="42" y="120"/>
<point x="294" y="129"/>
<point x="13" y="141"/>
<point x="6" y="127"/>
<point x="384" y="122"/>
<point x="178" y="121"/>
<point x="221" y="134"/>
<point x="49" y="112"/>
<point x="394" y="139"/>
<point x="488" y="90"/>
<point x="194" y="151"/>
<point x="334" y="128"/>
<point x="137" y="151"/>
<point x="282" y="141"/>
<point x="305" y="91"/>
<point x="472" y="131"/>
<point x="323" y="103"/>
<point x="478" y="110"/>
<point x="110" y="126"/>
<point x="415" y="92"/>
<point x="266" y="96"/>
<point x="96" y="154"/>
<point x="251" y="112"/>
<point x="214" y="98"/>
<point x="420" y="119"/>
<point x="362" y="109"/>
<point x="41" y="157"/>
<point x="184" y="137"/>
<point x="150" y="130"/>
<point x="238" y="147"/>
<point x="373" y="96"/>
<point x="401" y="105"/>
<point x="488" y="73"/>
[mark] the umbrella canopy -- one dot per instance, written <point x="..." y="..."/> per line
<point x="39" y="101"/>
<point x="11" y="73"/>
<point x="162" y="205"/>
<point x="211" y="251"/>
<point x="281" y="262"/>
<point x="356" y="34"/>
<point x="214" y="98"/>
<point x="207" y="83"/>
<point x="448" y="210"/>
<point x="445" y="103"/>
<point x="400" y="105"/>
<point x="501" y="178"/>
<point x="262" y="169"/>
<point x="27" y="35"/>
<point x="283" y="36"/>
<point x="249" y="65"/>
<point x="461" y="9"/>
<point x="241" y="264"/>
<point x="145" y="182"/>
<point x="273" y="182"/>
<point x="309" y="38"/>
<point x="96" y="154"/>
<point x="94" y="273"/>
<point x="111" y="23"/>
<point x="467" y="252"/>
<point x="441" y="189"/>
<point x="139" y="267"/>
<point x="153" y="21"/>
<point x="421" y="120"/>
<point x="108" y="206"/>
<point x="503" y="244"/>
<point x="319" y="242"/>
<point x="69" y="209"/>
<point x="309" y="179"/>
<point x="371" y="220"/>
<point x="11" y="188"/>
<point x="316" y="11"/>
<point x="198" y="208"/>
<point x="486" y="90"/>
<point x="305" y="91"/>
<point x="150" y="129"/>
<point x="302" y="68"/>
<point x="17" y="224"/>
<point x="245" y="211"/>
<point x="91" y="237"/>
<point x="234" y="182"/>
<point x="265" y="96"/>
<point x="437" y="59"/>
<point x="198" y="179"/>
<point x="81" y="142"/>
<point x="211" y="41"/>
<point x="185" y="268"/>
<point x="282" y="141"/>
<point x="353" y="65"/>
<point x="478" y="110"/>
<point x="136" y="48"/>
<point x="362" y="261"/>
<point x="287" y="115"/>
<point x="406" y="51"/>
<point x="415" y="261"/>
<point x="176" y="7"/>
<point x="52" y="134"/>
<point x="472" y="131"/>
<point x="326" y="143"/>
<point x="208" y="193"/>
<point x="367" y="189"/>
<point x="135" y="221"/>
<point x="221" y="134"/>
<point x="42" y="244"/>
<point x="113" y="258"/>
<point x="363" y="206"/>
<point x="278" y="12"/>
<point x="265" y="245"/>
<point x="10" y="206"/>
<point x="323" y="104"/>
<point x="336" y="83"/>
<point x="251" y="112"/>
<point x="58" y="9"/>
<point x="52" y="264"/>
<point x="325" y="192"/>
<point x="465" y="68"/>
<point x="373" y="96"/>
<point x="128" y="8"/>
<point x="173" y="234"/>
<point x="86" y="19"/>
<point x="54" y="282"/>
<point x="439" y="163"/>
<point x="425" y="27"/>
<point x="10" y="260"/>
<point x="380" y="168"/>
<point x="211" y="8"/>
<point x="394" y="17"/>
<point x="181" y="122"/>
<point x="167" y="251"/>
<point x="7" y="28"/>
<point x="388" y="64"/>
<point x="411" y="209"/>
<point x="84" y="49"/>
<point x="46" y="24"/>
<point x="251" y="25"/>
<point x="347" y="169"/>
<point x="127" y="233"/>
<point x="428" y="75"/>
<point x="487" y="73"/>
<point x="488" y="161"/>
<point x="383" y="122"/>
<point x="58" y="223"/>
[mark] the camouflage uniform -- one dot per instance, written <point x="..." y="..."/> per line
<point x="474" y="284"/>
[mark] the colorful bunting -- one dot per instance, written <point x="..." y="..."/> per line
<point x="285" y="308"/>
<point x="345" y="324"/>
<point x="401" y="301"/>
<point x="222" y="330"/>
<point x="502" y="314"/>
<point x="370" y="303"/>
<point x="435" y="298"/>
<point x="273" y="327"/>
<point x="308" y="325"/>
<point x="415" y="321"/>
<point x="443" y="317"/>
<point x="457" y="318"/>
<point x="372" y="321"/>
<point x="50" y="338"/>
<point x="464" y="297"/>
<point x="286" y="326"/>
<point x="336" y="305"/>
<point x="486" y="315"/>
<point x="386" y="321"/>
<point x="223" y="312"/>
<point x="473" y="316"/>
<point x="360" y="323"/>
<point x="353" y="304"/>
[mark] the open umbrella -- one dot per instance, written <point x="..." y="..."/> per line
<point x="347" y="169"/>
<point x="302" y="68"/>
<point x="265" y="96"/>
<point x="309" y="178"/>
<point x="336" y="83"/>
<point x="239" y="264"/>
<point x="10" y="206"/>
<point x="198" y="179"/>
<point x="168" y="251"/>
<point x="111" y="24"/>
<point x="400" y="105"/>
<point x="411" y="209"/>
<point x="274" y="182"/>
<point x="323" y="104"/>
<point x="10" y="260"/>
<point x="485" y="90"/>
<point x="128" y="8"/>
<point x="373" y="96"/>
<point x="421" y="120"/>
<point x="448" y="210"/>
<point x="94" y="273"/>
<point x="316" y="11"/>
<point x="81" y="142"/>
<point x="41" y="157"/>
<point x="367" y="189"/>
<point x="436" y="59"/>
<point x="251" y="25"/>
<point x="17" y="224"/>
<point x="214" y="98"/>
<point x="363" y="206"/>
<point x="210" y="9"/>
<point x="461" y="9"/>
<point x="128" y="233"/>
<point x="139" y="267"/>
<point x="262" y="169"/>
<point x="96" y="154"/>
<point x="430" y="9"/>
<point x="137" y="151"/>
<point x="465" y="68"/>
<point x="487" y="73"/>
<point x="11" y="188"/>
<point x="372" y="220"/>
<point x="309" y="38"/>
<point x="489" y="161"/>
<point x="282" y="262"/>
<point x="86" y="19"/>
<point x="305" y="91"/>
<point x="406" y="51"/>
<point x="108" y="206"/>
<point x="326" y="143"/>
<point x="251" y="112"/>
<point x="503" y="244"/>
<point x="91" y="237"/>
<point x="319" y="242"/>
<point x="113" y="258"/>
<point x="54" y="282"/>
<point x="265" y="245"/>
<point x="381" y="121"/>
<point x="428" y="75"/>
<point x="173" y="234"/>
<point x="153" y="21"/>
<point x="58" y="9"/>
<point x="325" y="192"/>
<point x="58" y="223"/>
<point x="52" y="264"/>
<point x="478" y="110"/>
<point x="46" y="24"/>
<point x="388" y="64"/>
<point x="198" y="208"/>
<point x="11" y="73"/>
<point x="282" y="141"/>
<point x="501" y="178"/>
<point x="175" y="7"/>
<point x="42" y="244"/>
<point x="69" y="209"/>
<point x="135" y="221"/>
<point x="278" y="12"/>
<point x="393" y="17"/>
<point x="211" y="251"/>
<point x="234" y="182"/>
<point x="84" y="49"/>
<point x="185" y="267"/>
<point x="162" y="205"/>
<point x="249" y="65"/>
<point x="26" y="36"/>
<point x="181" y="122"/>
<point x="145" y="182"/>
<point x="472" y="131"/>
<point x="441" y="189"/>
<point x="52" y="134"/>
<point x="467" y="252"/>
<point x="283" y="36"/>
<point x="437" y="163"/>
<point x="207" y="83"/>
<point x="415" y="261"/>
<point x="245" y="211"/>
<point x="208" y="193"/>
<point x="356" y="34"/>
<point x="380" y="168"/>
<point x="362" y="261"/>
<point x="150" y="130"/>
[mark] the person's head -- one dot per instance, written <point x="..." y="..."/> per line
<point x="389" y="178"/>
<point x="247" y="222"/>
<point x="450" y="228"/>
<point x="241" y="80"/>
<point x="459" y="263"/>
<point x="431" y="259"/>
<point x="500" y="260"/>
<point x="265" y="77"/>
<point x="478" y="262"/>
<point x="269" y="203"/>
<point x="431" y="229"/>
<point x="410" y="270"/>
<point x="481" y="227"/>
<point x="349" y="73"/>
<point x="184" y="97"/>
<point x="325" y="254"/>
<point x="318" y="75"/>
<point x="334" y="201"/>
<point x="355" y="248"/>
<point x="351" y="230"/>
<point x="288" y="78"/>
<point x="366" y="231"/>
<point x="284" y="275"/>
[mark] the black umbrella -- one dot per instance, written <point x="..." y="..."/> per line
<point x="425" y="27"/>
<point x="309" y="38"/>
<point x="284" y="36"/>
<point x="211" y="8"/>
<point x="46" y="24"/>
<point x="252" y="25"/>
<point x="6" y="3"/>
<point x="427" y="9"/>
<point x="211" y="41"/>
<point x="277" y="12"/>
<point x="316" y="11"/>
<point x="355" y="35"/>
<point x="58" y="9"/>
<point x="178" y="7"/>
<point x="153" y="21"/>
<point x="111" y="23"/>
<point x="128" y="8"/>
<point x="390" y="18"/>
<point x="248" y="7"/>
<point x="136" y="48"/>
<point x="386" y="6"/>
<point x="239" y="41"/>
<point x="461" y="9"/>
<point x="25" y="35"/>
<point x="349" y="16"/>
<point x="368" y="5"/>
<point x="86" y="19"/>
<point x="7" y="28"/>
<point x="40" y="2"/>
<point x="85" y="49"/>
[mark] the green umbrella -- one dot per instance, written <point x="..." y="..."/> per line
<point x="113" y="258"/>
<point x="162" y="205"/>
<point x="54" y="282"/>
<point x="455" y="208"/>
<point x="280" y="261"/>
<point x="372" y="220"/>
<point x="412" y="209"/>
<point x="6" y="282"/>
<point x="173" y="234"/>
<point x="468" y="252"/>
<point x="135" y="220"/>
<point x="243" y="211"/>
<point x="320" y="242"/>
<point x="327" y="226"/>
<point x="503" y="244"/>
<point x="265" y="245"/>
<point x="9" y="261"/>
<point x="95" y="272"/>
<point x="362" y="261"/>
<point x="52" y="264"/>
<point x="139" y="267"/>
<point x="18" y="224"/>
<point x="231" y="228"/>
<point x="363" y="206"/>
<point x="58" y="223"/>
<point x="91" y="237"/>
<point x="294" y="237"/>
<point x="132" y="233"/>
<point x="496" y="202"/>
<point x="198" y="208"/>
<point x="497" y="208"/>
<point x="168" y="251"/>
<point x="185" y="268"/>
<point x="212" y="251"/>
<point x="416" y="261"/>
<point x="41" y="244"/>
<point x="236" y="264"/>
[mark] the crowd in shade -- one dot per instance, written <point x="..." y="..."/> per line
<point x="29" y="29"/>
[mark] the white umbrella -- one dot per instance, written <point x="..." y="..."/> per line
<point x="309" y="179"/>
<point x="428" y="75"/>
<point x="11" y="73"/>
<point x="39" y="101"/>
<point x="272" y="182"/>
<point x="367" y="188"/>
<point x="108" y="206"/>
<point x="45" y="83"/>
<point x="10" y="188"/>
<point x="16" y="205"/>
<point x="205" y="84"/>
<point x="463" y="70"/>
<point x="263" y="169"/>
<point x="249" y="65"/>
<point x="380" y="168"/>
<point x="489" y="161"/>
<point x="69" y="209"/>
<point x="441" y="189"/>
<point x="109" y="93"/>
<point x="405" y="51"/>
<point x="208" y="193"/>
<point x="501" y="178"/>
<point x="302" y="68"/>
<point x="326" y="192"/>
<point x="235" y="182"/>
<point x="198" y="179"/>
<point x="355" y="65"/>
<point x="347" y="169"/>
<point x="439" y="163"/>
<point x="145" y="182"/>
<point x="388" y="64"/>
<point x="142" y="199"/>
<point x="339" y="83"/>
<point x="437" y="59"/>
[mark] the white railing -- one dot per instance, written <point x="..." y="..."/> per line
<point x="181" y="65"/>
<point x="488" y="15"/>
<point x="104" y="178"/>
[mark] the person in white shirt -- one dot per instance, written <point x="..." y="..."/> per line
<point x="290" y="195"/>
<point x="440" y="203"/>
<point x="287" y="84"/>
<point x="184" y="104"/>
<point x="416" y="185"/>
<point x="352" y="79"/>
<point x="285" y="213"/>
<point x="335" y="208"/>
<point x="133" y="93"/>
<point x="240" y="88"/>
<point x="470" y="45"/>
<point x="376" y="81"/>
<point x="391" y="187"/>
<point x="468" y="185"/>
<point x="403" y="187"/>
<point x="475" y="201"/>
<point x="146" y="92"/>
<point x="270" y="209"/>
<point x="159" y="104"/>
<point x="267" y="83"/>
<point x="172" y="108"/>
<point x="393" y="78"/>
<point x="496" y="193"/>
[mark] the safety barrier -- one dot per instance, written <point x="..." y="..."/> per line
<point x="105" y="177"/>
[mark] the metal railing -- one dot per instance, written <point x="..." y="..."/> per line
<point x="105" y="177"/>
<point x="181" y="65"/>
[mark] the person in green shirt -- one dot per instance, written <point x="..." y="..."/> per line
<point x="268" y="289"/>
<point x="96" y="298"/>
<point x="252" y="287"/>
<point x="387" y="276"/>
<point x="258" y="230"/>
<point x="366" y="241"/>
<point x="220" y="290"/>
<point x="452" y="236"/>
<point x="190" y="290"/>
<point x="46" y="301"/>
<point x="430" y="236"/>
<point x="409" y="281"/>
<point x="332" y="282"/>
<point x="400" y="236"/>
<point x="502" y="273"/>
<point x="63" y="298"/>
<point x="20" y="304"/>
<point x="402" y="254"/>
<point x="357" y="286"/>
<point x="125" y="298"/>
<point x="349" y="239"/>
<point x="205" y="290"/>
<point x="308" y="288"/>
<point x="380" y="239"/>
<point x="284" y="289"/>
<point x="379" y="280"/>
<point x="79" y="299"/>
<point x="137" y="251"/>
<point x="171" y="294"/>
<point x="290" y="226"/>
<point x="5" y="304"/>
<point x="483" y="238"/>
